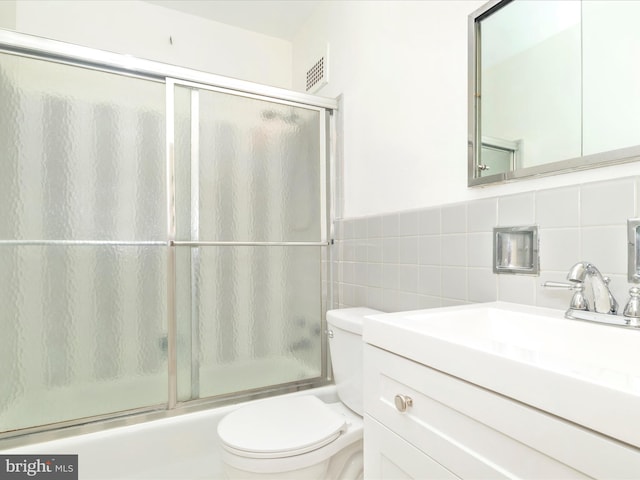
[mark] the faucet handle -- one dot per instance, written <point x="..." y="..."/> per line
<point x="632" y="309"/>
<point x="578" y="301"/>
<point x="566" y="285"/>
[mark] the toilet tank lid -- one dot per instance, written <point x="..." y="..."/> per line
<point x="349" y="319"/>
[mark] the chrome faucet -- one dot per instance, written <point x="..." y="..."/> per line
<point x="602" y="298"/>
<point x="597" y="303"/>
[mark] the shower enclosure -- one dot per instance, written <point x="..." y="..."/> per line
<point x="163" y="237"/>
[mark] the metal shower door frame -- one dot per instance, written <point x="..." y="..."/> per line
<point x="28" y="46"/>
<point x="195" y="242"/>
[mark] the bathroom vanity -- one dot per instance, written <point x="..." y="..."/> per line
<point x="500" y="391"/>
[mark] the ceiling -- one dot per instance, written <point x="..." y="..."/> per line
<point x="276" y="18"/>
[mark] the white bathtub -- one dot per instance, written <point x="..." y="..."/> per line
<point x="183" y="447"/>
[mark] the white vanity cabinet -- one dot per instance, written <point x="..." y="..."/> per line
<point x="456" y="429"/>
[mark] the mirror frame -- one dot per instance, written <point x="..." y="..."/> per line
<point x="612" y="157"/>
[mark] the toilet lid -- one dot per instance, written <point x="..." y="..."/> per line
<point x="280" y="427"/>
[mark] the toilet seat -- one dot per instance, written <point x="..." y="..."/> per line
<point x="280" y="427"/>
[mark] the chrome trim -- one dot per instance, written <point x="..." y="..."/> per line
<point x="324" y="174"/>
<point x="534" y="269"/>
<point x="43" y="433"/>
<point x="633" y="265"/>
<point x="251" y="95"/>
<point x="91" y="243"/>
<point x="100" y="423"/>
<point x="13" y="42"/>
<point x="195" y="236"/>
<point x="612" y="157"/>
<point x="187" y="243"/>
<point x="602" y="318"/>
<point x="172" y="321"/>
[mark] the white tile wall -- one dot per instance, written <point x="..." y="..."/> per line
<point x="443" y="256"/>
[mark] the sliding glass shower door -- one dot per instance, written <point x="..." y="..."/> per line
<point x="82" y="243"/>
<point x="161" y="241"/>
<point x="251" y="235"/>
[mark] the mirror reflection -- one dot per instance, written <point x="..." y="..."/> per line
<point x="555" y="86"/>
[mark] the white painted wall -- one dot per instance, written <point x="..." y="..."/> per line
<point x="402" y="68"/>
<point x="143" y="30"/>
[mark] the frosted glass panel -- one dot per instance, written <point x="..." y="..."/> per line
<point x="259" y="167"/>
<point x="82" y="153"/>
<point x="83" y="332"/>
<point x="257" y="314"/>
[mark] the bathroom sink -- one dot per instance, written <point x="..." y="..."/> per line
<point x="584" y="372"/>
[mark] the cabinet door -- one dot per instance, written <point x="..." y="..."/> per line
<point x="387" y="456"/>
<point x="477" y="434"/>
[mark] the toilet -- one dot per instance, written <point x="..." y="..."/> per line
<point x="301" y="437"/>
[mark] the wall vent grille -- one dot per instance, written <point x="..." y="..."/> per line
<point x="317" y="75"/>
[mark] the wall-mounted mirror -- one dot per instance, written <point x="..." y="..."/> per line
<point x="554" y="86"/>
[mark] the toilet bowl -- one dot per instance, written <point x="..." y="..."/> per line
<point x="301" y="437"/>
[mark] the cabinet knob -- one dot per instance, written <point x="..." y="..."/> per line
<point x="403" y="402"/>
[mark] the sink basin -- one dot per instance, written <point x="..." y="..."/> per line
<point x="584" y="372"/>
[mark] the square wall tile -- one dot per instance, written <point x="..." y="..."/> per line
<point x="429" y="221"/>
<point x="450" y="302"/>
<point x="348" y="275"/>
<point x="408" y="278"/>
<point x="454" y="283"/>
<point x="374" y="250"/>
<point x="360" y="250"/>
<point x="374" y="227"/>
<point x="482" y="285"/>
<point x="606" y="248"/>
<point x="408" y="250"/>
<point x="558" y="207"/>
<point x="426" y="301"/>
<point x="348" y="250"/>
<point x="559" y="248"/>
<point x="360" y="228"/>
<point x="390" y="276"/>
<point x="408" y="223"/>
<point x="349" y="229"/>
<point x="338" y="229"/>
<point x="348" y="295"/>
<point x="607" y="203"/>
<point x="482" y="215"/>
<point x="407" y="301"/>
<point x="454" y="218"/>
<point x="390" y="300"/>
<point x="360" y="273"/>
<point x="517" y="288"/>
<point x="429" y="250"/>
<point x="374" y="275"/>
<point x="374" y="298"/>
<point x="516" y="210"/>
<point x="390" y="225"/>
<point x="390" y="249"/>
<point x="430" y="281"/>
<point x="359" y="296"/>
<point x="480" y="250"/>
<point x="454" y="250"/>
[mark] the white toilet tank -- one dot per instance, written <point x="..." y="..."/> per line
<point x="345" y="344"/>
